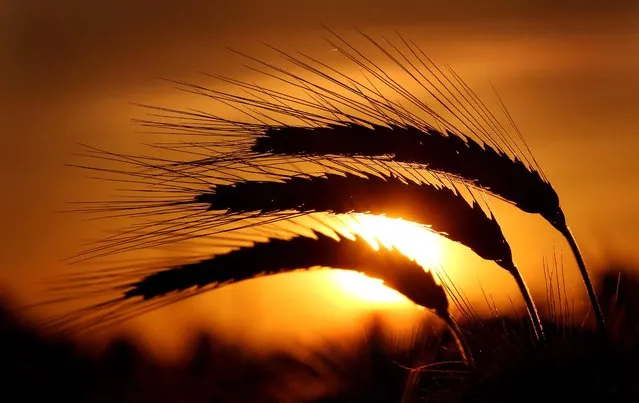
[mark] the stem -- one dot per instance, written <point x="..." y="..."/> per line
<point x="460" y="340"/>
<point x="462" y="346"/>
<point x="586" y="277"/>
<point x="530" y="305"/>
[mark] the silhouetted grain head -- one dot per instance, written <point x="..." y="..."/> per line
<point x="139" y="292"/>
<point x="421" y="114"/>
<point x="459" y="156"/>
<point x="442" y="209"/>
<point x="280" y="256"/>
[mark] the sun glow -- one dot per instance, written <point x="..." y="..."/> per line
<point x="365" y="288"/>
<point x="411" y="239"/>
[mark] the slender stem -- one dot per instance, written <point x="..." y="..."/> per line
<point x="462" y="346"/>
<point x="460" y="340"/>
<point x="530" y="305"/>
<point x="586" y="277"/>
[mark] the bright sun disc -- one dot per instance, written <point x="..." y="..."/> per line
<point x="412" y="240"/>
<point x="365" y="288"/>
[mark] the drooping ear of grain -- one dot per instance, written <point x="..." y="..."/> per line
<point x="281" y="256"/>
<point x="451" y="153"/>
<point x="442" y="209"/>
<point x="262" y="259"/>
<point x="275" y="256"/>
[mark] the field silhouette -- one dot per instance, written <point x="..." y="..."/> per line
<point x="575" y="365"/>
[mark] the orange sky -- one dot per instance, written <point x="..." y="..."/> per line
<point x="568" y="73"/>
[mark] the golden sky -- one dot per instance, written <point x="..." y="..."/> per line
<point x="568" y="72"/>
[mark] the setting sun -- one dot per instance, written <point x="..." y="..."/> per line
<point x="411" y="239"/>
<point x="365" y="288"/>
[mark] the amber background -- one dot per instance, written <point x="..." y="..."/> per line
<point x="68" y="70"/>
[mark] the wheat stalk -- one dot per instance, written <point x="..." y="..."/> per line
<point x="348" y="118"/>
<point x="275" y="256"/>
<point x="440" y="208"/>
